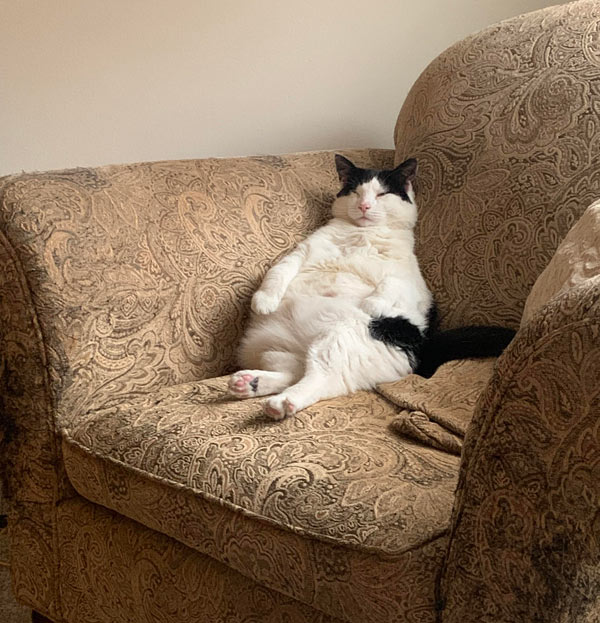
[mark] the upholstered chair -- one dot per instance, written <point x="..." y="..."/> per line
<point x="138" y="491"/>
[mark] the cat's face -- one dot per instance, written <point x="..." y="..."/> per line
<point x="371" y="198"/>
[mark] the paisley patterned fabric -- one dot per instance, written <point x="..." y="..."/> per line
<point x="31" y="472"/>
<point x="506" y="128"/>
<point x="34" y="566"/>
<point x="322" y="507"/>
<point x="505" y="125"/>
<point x="115" y="570"/>
<point x="124" y="292"/>
<point x="142" y="274"/>
<point x="119" y="280"/>
<point x="437" y="411"/>
<point x="576" y="260"/>
<point x="525" y="541"/>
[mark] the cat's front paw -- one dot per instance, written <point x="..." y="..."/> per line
<point x="264" y="303"/>
<point x="376" y="306"/>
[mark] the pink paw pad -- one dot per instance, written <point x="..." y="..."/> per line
<point x="243" y="385"/>
<point x="244" y="380"/>
<point x="272" y="412"/>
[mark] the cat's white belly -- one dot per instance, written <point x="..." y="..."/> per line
<point x="330" y="283"/>
<point x="308" y="319"/>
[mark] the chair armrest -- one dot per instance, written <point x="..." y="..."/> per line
<point x="30" y="468"/>
<point x="525" y="536"/>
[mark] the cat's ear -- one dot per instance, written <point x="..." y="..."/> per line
<point x="344" y="168"/>
<point x="405" y="173"/>
<point x="407" y="170"/>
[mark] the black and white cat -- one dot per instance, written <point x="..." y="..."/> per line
<point x="348" y="308"/>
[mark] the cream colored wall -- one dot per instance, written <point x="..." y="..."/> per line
<point x="89" y="82"/>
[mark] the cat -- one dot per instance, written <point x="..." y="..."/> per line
<point x="348" y="308"/>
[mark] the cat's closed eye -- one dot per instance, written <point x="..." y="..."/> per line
<point x="381" y="194"/>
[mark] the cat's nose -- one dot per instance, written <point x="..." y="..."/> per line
<point x="363" y="207"/>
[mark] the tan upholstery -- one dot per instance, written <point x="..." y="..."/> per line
<point x="505" y="131"/>
<point x="113" y="569"/>
<point x="138" y="493"/>
<point x="576" y="261"/>
<point x="438" y="411"/>
<point x="121" y="280"/>
<point x="524" y="543"/>
<point x="310" y="507"/>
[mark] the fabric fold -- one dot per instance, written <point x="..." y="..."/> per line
<point x="437" y="411"/>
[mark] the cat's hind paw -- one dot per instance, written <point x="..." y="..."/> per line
<point x="243" y="384"/>
<point x="278" y="407"/>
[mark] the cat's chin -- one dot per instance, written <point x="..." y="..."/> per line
<point x="364" y="222"/>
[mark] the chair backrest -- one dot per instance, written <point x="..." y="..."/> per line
<point x="506" y="128"/>
<point x="140" y="275"/>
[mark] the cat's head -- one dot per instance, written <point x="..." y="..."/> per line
<point x="371" y="197"/>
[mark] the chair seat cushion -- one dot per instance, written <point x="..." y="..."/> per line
<point x="326" y="506"/>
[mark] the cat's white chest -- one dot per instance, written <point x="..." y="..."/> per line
<point x="351" y="246"/>
<point x="359" y="245"/>
<point x="344" y="264"/>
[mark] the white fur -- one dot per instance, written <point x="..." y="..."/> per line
<point x="309" y="337"/>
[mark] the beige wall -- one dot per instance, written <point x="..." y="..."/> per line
<point x="89" y="82"/>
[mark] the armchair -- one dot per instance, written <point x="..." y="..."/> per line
<point x="139" y="492"/>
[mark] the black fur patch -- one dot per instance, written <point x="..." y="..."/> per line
<point x="394" y="181"/>
<point x="426" y="353"/>
<point x="399" y="332"/>
<point x="355" y="178"/>
<point x="432" y="319"/>
<point x="462" y="343"/>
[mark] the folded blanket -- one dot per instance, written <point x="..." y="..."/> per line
<point x="437" y="411"/>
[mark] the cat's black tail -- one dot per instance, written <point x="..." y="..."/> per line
<point x="427" y="351"/>
<point x="438" y="347"/>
